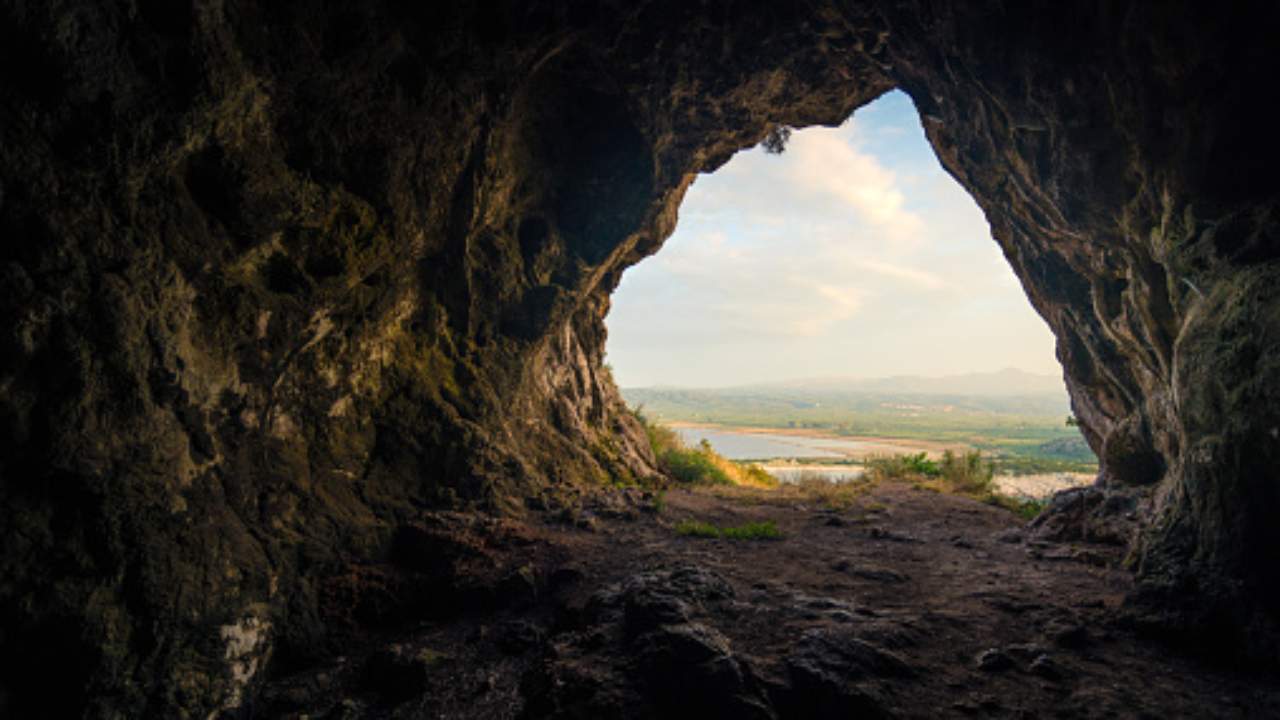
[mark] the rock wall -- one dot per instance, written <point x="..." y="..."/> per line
<point x="1114" y="152"/>
<point x="276" y="277"/>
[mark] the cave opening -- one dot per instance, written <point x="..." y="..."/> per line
<point x="837" y="300"/>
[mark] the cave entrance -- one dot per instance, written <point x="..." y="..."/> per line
<point x="845" y="293"/>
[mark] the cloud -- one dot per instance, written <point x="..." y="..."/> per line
<point x="914" y="276"/>
<point x="825" y="162"/>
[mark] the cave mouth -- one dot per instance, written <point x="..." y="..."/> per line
<point x="845" y="285"/>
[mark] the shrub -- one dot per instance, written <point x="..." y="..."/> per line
<point x="700" y="465"/>
<point x="692" y="467"/>
<point x="968" y="474"/>
<point x="903" y="467"/>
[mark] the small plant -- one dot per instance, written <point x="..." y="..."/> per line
<point x="967" y="474"/>
<point x="1026" y="508"/>
<point x="696" y="528"/>
<point x="766" y="530"/>
<point x="659" y="502"/>
<point x="757" y="476"/>
<point x="904" y="467"/>
<point x="775" y="143"/>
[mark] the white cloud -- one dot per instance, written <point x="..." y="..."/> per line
<point x="913" y="276"/>
<point x="825" y="162"/>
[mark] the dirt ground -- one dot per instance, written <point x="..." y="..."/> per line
<point x="905" y="603"/>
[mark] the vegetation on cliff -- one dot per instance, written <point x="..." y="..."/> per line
<point x="701" y="464"/>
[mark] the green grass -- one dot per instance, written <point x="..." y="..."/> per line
<point x="968" y="474"/>
<point x="692" y="467"/>
<point x="965" y="474"/>
<point x="1026" y="508"/>
<point x="766" y="530"/>
<point x="659" y="501"/>
<point x="900" y="466"/>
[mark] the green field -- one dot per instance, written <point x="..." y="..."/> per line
<point x="1022" y="434"/>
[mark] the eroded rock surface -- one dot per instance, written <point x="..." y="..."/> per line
<point x="636" y="621"/>
<point x="276" y="277"/>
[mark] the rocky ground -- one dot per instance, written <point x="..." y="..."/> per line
<point x="904" y="603"/>
<point x="1041" y="485"/>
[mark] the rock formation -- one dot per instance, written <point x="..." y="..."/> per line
<point x="277" y="276"/>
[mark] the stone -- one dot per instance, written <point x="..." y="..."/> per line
<point x="993" y="660"/>
<point x="1012" y="537"/>
<point x="1066" y="634"/>
<point x="1046" y="667"/>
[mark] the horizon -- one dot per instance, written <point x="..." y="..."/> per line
<point x="851" y="254"/>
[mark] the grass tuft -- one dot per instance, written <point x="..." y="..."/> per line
<point x="766" y="530"/>
<point x="1026" y="508"/>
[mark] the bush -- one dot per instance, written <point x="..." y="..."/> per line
<point x="965" y="474"/>
<point x="701" y="465"/>
<point x="903" y="467"/>
<point x="969" y="474"/>
<point x="692" y="467"/>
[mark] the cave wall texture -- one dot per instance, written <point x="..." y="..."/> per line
<point x="276" y="276"/>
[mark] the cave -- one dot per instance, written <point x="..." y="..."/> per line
<point x="286" y="286"/>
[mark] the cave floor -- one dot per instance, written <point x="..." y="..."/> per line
<point x="906" y="603"/>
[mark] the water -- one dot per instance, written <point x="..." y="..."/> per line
<point x="834" y="473"/>
<point x="755" y="446"/>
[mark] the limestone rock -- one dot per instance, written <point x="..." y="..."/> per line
<point x="277" y="277"/>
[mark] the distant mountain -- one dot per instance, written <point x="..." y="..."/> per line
<point x="1001" y="383"/>
<point x="824" y="401"/>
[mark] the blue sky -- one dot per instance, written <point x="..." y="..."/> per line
<point x="851" y="254"/>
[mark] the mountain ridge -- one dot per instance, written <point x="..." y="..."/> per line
<point x="1005" y="382"/>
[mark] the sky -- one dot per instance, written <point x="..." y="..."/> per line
<point x="851" y="254"/>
